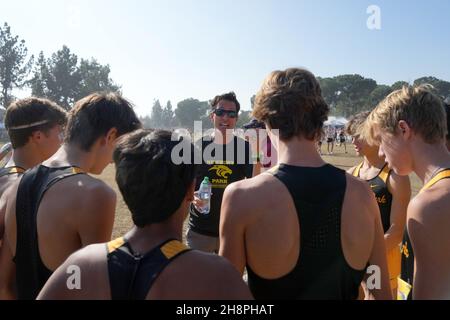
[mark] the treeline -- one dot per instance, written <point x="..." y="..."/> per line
<point x="64" y="78"/>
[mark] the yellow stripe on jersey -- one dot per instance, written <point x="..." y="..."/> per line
<point x="16" y="170"/>
<point x="172" y="248"/>
<point x="357" y="170"/>
<point x="441" y="175"/>
<point x="115" y="244"/>
<point x="384" y="174"/>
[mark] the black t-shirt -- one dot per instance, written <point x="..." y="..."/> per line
<point x="223" y="165"/>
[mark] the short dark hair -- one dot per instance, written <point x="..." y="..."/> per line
<point x="230" y="96"/>
<point x="25" y="116"/>
<point x="291" y="101"/>
<point x="96" y="114"/>
<point x="152" y="185"/>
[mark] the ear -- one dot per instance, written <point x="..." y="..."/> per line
<point x="404" y="129"/>
<point x="36" y="136"/>
<point x="211" y="116"/>
<point x="111" y="136"/>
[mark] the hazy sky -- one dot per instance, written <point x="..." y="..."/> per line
<point x="176" y="49"/>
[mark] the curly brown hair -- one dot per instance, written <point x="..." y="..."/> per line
<point x="291" y="101"/>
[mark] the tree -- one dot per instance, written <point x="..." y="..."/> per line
<point x="94" y="77"/>
<point x="63" y="80"/>
<point x="157" y="115"/>
<point x="40" y="75"/>
<point x="252" y="101"/>
<point x="244" y="118"/>
<point x="398" y="85"/>
<point x="13" y="65"/>
<point x="441" y="87"/>
<point x="168" y="116"/>
<point x="377" y="95"/>
<point x="190" y="110"/>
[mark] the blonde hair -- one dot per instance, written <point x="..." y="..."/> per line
<point x="291" y="101"/>
<point x="355" y="125"/>
<point x="418" y="106"/>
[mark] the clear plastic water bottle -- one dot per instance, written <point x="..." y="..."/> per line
<point x="204" y="194"/>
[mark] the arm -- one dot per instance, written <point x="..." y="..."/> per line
<point x="7" y="274"/>
<point x="7" y="265"/>
<point x="97" y="219"/>
<point x="378" y="253"/>
<point x="400" y="189"/>
<point x="232" y="229"/>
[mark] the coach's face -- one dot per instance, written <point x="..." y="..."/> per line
<point x="224" y="116"/>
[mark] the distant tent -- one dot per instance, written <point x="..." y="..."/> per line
<point x="335" y="122"/>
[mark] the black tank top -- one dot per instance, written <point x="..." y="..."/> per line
<point x="382" y="194"/>
<point x="31" y="273"/>
<point x="11" y="170"/>
<point x="131" y="276"/>
<point x="321" y="271"/>
<point x="407" y="273"/>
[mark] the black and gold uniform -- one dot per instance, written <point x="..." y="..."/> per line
<point x="131" y="275"/>
<point x="379" y="186"/>
<point x="322" y="271"/>
<point x="11" y="170"/>
<point x="31" y="273"/>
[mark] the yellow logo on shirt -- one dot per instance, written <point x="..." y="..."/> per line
<point x="222" y="171"/>
<point x="382" y="200"/>
<point x="405" y="250"/>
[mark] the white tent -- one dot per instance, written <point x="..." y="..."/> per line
<point x="336" y="122"/>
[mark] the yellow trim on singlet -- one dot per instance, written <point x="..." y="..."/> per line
<point x="441" y="175"/>
<point x="357" y="170"/>
<point x="384" y="174"/>
<point x="16" y="170"/>
<point x="76" y="170"/>
<point x="172" y="248"/>
<point x="115" y="244"/>
<point x="273" y="170"/>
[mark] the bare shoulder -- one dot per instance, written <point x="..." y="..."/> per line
<point x="430" y="207"/>
<point x="358" y="191"/>
<point x="212" y="276"/>
<point x="84" y="270"/>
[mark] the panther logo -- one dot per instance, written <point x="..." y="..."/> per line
<point x="222" y="171"/>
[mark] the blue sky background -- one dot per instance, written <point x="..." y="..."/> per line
<point x="176" y="49"/>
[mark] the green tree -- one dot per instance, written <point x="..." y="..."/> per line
<point x="157" y="115"/>
<point x="38" y="83"/>
<point x="64" y="79"/>
<point x="14" y="68"/>
<point x="190" y="110"/>
<point x="168" y="116"/>
<point x="442" y="87"/>
<point x="244" y="117"/>
<point x="94" y="77"/>
<point x="398" y="85"/>
<point x="377" y="95"/>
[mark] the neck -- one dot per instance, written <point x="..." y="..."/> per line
<point x="71" y="155"/>
<point x="25" y="158"/>
<point x="146" y="238"/>
<point x="373" y="160"/>
<point x="299" y="152"/>
<point x="429" y="159"/>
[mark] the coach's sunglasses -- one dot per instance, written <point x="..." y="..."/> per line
<point x="222" y="112"/>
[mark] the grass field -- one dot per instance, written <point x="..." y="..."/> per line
<point x="340" y="159"/>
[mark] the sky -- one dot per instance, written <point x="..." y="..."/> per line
<point x="178" y="49"/>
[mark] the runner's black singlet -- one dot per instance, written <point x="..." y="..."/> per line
<point x="131" y="276"/>
<point x="382" y="194"/>
<point x="321" y="271"/>
<point x="31" y="273"/>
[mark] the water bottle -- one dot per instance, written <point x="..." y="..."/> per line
<point x="204" y="194"/>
